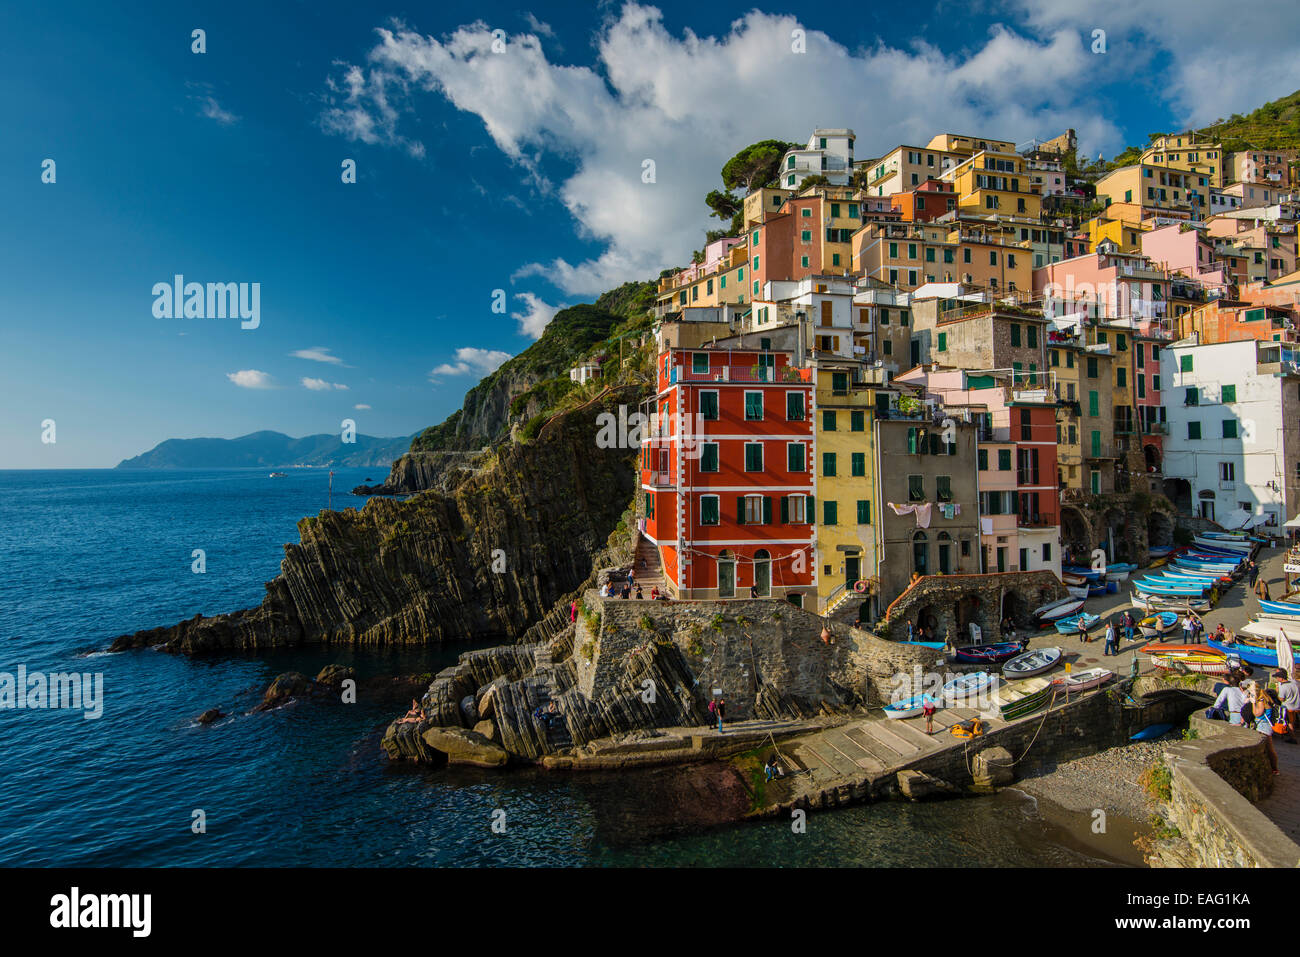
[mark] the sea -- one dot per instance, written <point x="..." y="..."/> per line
<point x="86" y="555"/>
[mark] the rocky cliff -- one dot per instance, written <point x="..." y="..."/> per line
<point x="484" y="560"/>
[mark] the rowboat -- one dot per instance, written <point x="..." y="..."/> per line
<point x="1077" y="591"/>
<point x="1188" y="578"/>
<point x="1083" y="680"/>
<point x="1075" y="580"/>
<point x="1154" y="603"/>
<point x="934" y="645"/>
<point x="1170" y="648"/>
<point x="1250" y="653"/>
<point x="1070" y="626"/>
<point x="988" y="654"/>
<point x="1058" y="609"/>
<point x="1206" y="663"/>
<point x="1019" y="698"/>
<point x="962" y="688"/>
<point x="1160" y="551"/>
<point x="1119" y="571"/>
<point x="1152" y="586"/>
<point x="911" y="707"/>
<point x="1032" y="663"/>
<point x="1096" y="590"/>
<point x="1157" y="624"/>
<point x="1225" y="544"/>
<point x="1268" y="629"/>
<point x="1152" y="732"/>
<point x="1091" y="574"/>
<point x="1280" y="608"/>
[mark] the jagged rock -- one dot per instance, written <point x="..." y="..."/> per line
<point x="486" y="728"/>
<point x="466" y="747"/>
<point x="285" y="687"/>
<point x="420" y="571"/>
<point x="403" y="741"/>
<point x="333" y="676"/>
<point x="918" y="786"/>
<point x="212" y="714"/>
<point x="469" y="713"/>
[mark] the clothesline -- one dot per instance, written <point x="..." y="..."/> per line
<point x="922" y="510"/>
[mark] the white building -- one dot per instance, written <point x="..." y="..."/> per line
<point x="829" y="153"/>
<point x="1232" y="413"/>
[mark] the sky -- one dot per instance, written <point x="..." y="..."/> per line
<point x="500" y="158"/>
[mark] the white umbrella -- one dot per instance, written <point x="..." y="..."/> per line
<point x="1285" y="659"/>
<point x="1236" y="519"/>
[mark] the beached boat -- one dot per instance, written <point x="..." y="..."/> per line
<point x="1019" y="698"/>
<point x="1160" y="551"/>
<point x="1208" y="662"/>
<point x="1032" y="663"/>
<point x="1119" y="571"/>
<point x="934" y="645"/>
<point x="1075" y="580"/>
<point x="1248" y="652"/>
<point x="988" y="654"/>
<point x="1152" y="732"/>
<point x="1096" y="590"/>
<point x="1280" y="608"/>
<point x="1083" y="680"/>
<point x="1268" y="629"/>
<point x="1224" y="544"/>
<point x="968" y="687"/>
<point x="1058" y="609"/>
<point x="1070" y="626"/>
<point x="1091" y="574"/>
<point x="1187" y="578"/>
<point x="1174" y="648"/>
<point x="1077" y="591"/>
<point x="1152" y="586"/>
<point x="1154" y="603"/>
<point x="911" y="707"/>
<point x="1157" y="624"/>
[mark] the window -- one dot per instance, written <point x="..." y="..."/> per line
<point x="916" y="488"/>
<point x="794" y="509"/>
<point x="709" y="406"/>
<point x="859" y="463"/>
<point x="806" y="212"/>
<point x="709" y="457"/>
<point x="1015" y="334"/>
<point x="1031" y="336"/>
<point x="1093" y="404"/>
<point x="753" y="456"/>
<point x="1229" y="428"/>
<point x="754" y="510"/>
<point x="857" y="420"/>
<point x="828" y="420"/>
<point x="1121" y="377"/>
<point x="828" y="463"/>
<point x="1228" y="395"/>
<point x="1092" y="368"/>
<point x="1193" y="430"/>
<point x="649" y="505"/>
<point x="864" y="512"/>
<point x="982" y="457"/>
<point x="1192" y="396"/>
<point x="1185" y="363"/>
<point x="699" y="363"/>
<point x="1228" y="472"/>
<point x="795" y="457"/>
<point x="806" y="236"/>
<point x="708" y="510"/>
<point x="794" y="406"/>
<point x="943" y="342"/>
<point x="943" y="488"/>
<point x="1004" y="460"/>
<point x="830" y="512"/>
<point x="753" y="406"/>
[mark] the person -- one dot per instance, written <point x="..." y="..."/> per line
<point x="771" y="769"/>
<point x="414" y="716"/>
<point x="604" y="590"/>
<point x="638" y="592"/>
<point x="631" y="578"/>
<point x="1268" y="713"/>
<point x="1288" y="691"/>
<point x="753" y="590"/>
<point x="1221" y="633"/>
<point x="927" y="709"/>
<point x="573" y="610"/>
<point x="1128" y="629"/>
<point x="1110" y="640"/>
<point x="654" y="592"/>
<point x="1254" y="572"/>
<point x="1263" y="591"/>
<point x="911" y="632"/>
<point x="627" y="591"/>
<point x="721" y="712"/>
<point x="1230" y="700"/>
<point x="1083" y="631"/>
<point x="1187" y="628"/>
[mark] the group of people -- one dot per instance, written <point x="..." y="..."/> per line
<point x="1272" y="711"/>
<point x="613" y="589"/>
<point x="1111" y="648"/>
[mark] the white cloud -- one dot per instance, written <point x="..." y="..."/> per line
<point x="318" y="354"/>
<point x="213" y="110"/>
<point x="320" y="385"/>
<point x="536" y="315"/>
<point x="688" y="102"/>
<point x="471" y="361"/>
<point x="539" y="27"/>
<point x="361" y="407"/>
<point x="251" y="379"/>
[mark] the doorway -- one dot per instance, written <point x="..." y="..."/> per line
<point x="763" y="573"/>
<point x="726" y="575"/>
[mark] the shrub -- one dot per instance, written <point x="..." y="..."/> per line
<point x="1157" y="780"/>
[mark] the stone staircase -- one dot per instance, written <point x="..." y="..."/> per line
<point x="557" y="731"/>
<point x="649" y="569"/>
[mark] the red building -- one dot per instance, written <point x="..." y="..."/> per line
<point x="1033" y="429"/>
<point x="726" y="470"/>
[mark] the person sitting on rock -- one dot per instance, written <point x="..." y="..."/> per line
<point x="414" y="716"/>
<point x="772" y="769"/>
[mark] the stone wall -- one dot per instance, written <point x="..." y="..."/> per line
<point x="955" y="601"/>
<point x="1213" y="780"/>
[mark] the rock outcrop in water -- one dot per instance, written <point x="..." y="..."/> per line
<point x="485" y="560"/>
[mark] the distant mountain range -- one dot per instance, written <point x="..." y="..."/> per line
<point x="270" y="450"/>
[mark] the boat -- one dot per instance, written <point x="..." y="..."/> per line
<point x="1083" y="680"/>
<point x="1280" y="608"/>
<point x="1058" y="609"/>
<point x="1152" y="732"/>
<point x="1224" y="544"/>
<point x="1032" y="663"/>
<point x="1248" y="652"/>
<point x="1160" y="551"/>
<point x="1019" y="698"/>
<point x="1096" y="590"/>
<point x="1154" y="603"/>
<point x="1206" y="663"/>
<point x="1173" y="648"/>
<point x="1077" y="591"/>
<point x="967" y="687"/>
<point x="277" y="475"/>
<point x="1186" y="578"/>
<point x="988" y="654"/>
<point x="1119" y="571"/>
<point x="933" y="645"/>
<point x="1268" y="629"/>
<point x="1091" y="574"/>
<point x="1157" y="624"/>
<point x="1073" y="579"/>
<point x="1070" y="626"/>
<point x="1153" y="586"/>
<point x="911" y="707"/>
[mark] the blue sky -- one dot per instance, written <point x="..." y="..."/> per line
<point x="515" y="169"/>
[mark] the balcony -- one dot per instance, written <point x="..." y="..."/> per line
<point x="1099" y="452"/>
<point x="1035" y="520"/>
<point x="659" y="479"/>
<point x="1227" y="485"/>
<point x="1155" y="428"/>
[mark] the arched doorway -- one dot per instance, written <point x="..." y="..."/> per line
<point x="1179" y="491"/>
<point x="1160" y="529"/>
<point x="927" y="617"/>
<point x="763" y="573"/>
<point x="1076" y="538"/>
<point x="920" y="554"/>
<point x="945" y="553"/>
<point x="726" y="574"/>
<point x="1014" y="608"/>
<point x="1151" y="458"/>
<point x="1116" y="541"/>
<point x="1205" y="504"/>
<point x="968" y="613"/>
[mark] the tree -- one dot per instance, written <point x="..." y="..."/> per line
<point x="755" y="165"/>
<point x="815" y="180"/>
<point x="724" y="205"/>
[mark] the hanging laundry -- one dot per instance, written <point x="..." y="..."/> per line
<point x="923" y="515"/>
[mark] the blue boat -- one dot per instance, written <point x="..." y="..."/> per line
<point x="1252" y="654"/>
<point x="1190" y="579"/>
<point x="1152" y="586"/>
<point x="1279" y="607"/>
<point x="1070" y="626"/>
<point x="1201" y="568"/>
<point x="986" y="654"/>
<point x="936" y="645"/>
<point x="1097" y="589"/>
<point x="911" y="707"/>
<point x="1153" y="732"/>
<point x="1089" y="573"/>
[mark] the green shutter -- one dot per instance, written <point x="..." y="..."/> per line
<point x="767" y="510"/>
<point x="740" y="510"/>
<point x="785" y="509"/>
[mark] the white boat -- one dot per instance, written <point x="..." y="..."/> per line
<point x="968" y="687"/>
<point x="911" y="707"/>
<point x="277" y="475"/>
<point x="1083" y="680"/>
<point x="1271" y="629"/>
<point x="1119" y="572"/>
<point x="1224" y="544"/>
<point x="1077" y="591"/>
<point x="1153" y="603"/>
<point x="1032" y="663"/>
<point x="1058" y="609"/>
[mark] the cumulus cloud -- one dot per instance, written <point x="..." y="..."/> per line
<point x="320" y="385"/>
<point x="251" y="379"/>
<point x="470" y="361"/>
<point x="318" y="354"/>
<point x="645" y="99"/>
<point x="535" y="316"/>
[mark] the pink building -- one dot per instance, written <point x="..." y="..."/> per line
<point x="1106" y="285"/>
<point x="1180" y="248"/>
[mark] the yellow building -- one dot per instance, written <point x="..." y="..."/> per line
<point x="847" y="516"/>
<point x="1142" y="191"/>
<point x="1126" y="235"/>
<point x="994" y="183"/>
<point x="969" y="145"/>
<point x="1188" y="153"/>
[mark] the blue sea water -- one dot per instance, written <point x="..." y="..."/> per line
<point x="88" y="555"/>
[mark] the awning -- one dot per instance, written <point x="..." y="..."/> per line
<point x="1237" y="519"/>
<point x="1294" y="523"/>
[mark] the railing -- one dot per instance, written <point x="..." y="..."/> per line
<point x="1099" y="452"/>
<point x="739" y="374"/>
<point x="1227" y="485"/>
<point x="1035" y="520"/>
<point x="660" y="479"/>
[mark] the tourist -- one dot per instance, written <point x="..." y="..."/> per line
<point x="1110" y="648"/>
<point x="1083" y="631"/>
<point x="721" y="712"/>
<point x="911" y="632"/>
<point x="927" y="709"/>
<point x="627" y="591"/>
<point x="1254" y="572"/>
<point x="1128" y="628"/>
<point x="1288" y="691"/>
<point x="1248" y="703"/>
<point x="631" y="578"/>
<point x="1263" y="591"/>
<point x="1188" y="628"/>
<point x="1268" y="717"/>
<point x="573" y="610"/>
<point x="753" y="590"/>
<point x="604" y="590"/>
<point x="1221" y="633"/>
<point x="654" y="593"/>
<point x="1228" y="703"/>
<point x="639" y="596"/>
<point x="771" y="769"/>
